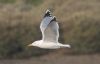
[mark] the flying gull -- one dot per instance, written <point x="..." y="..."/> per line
<point x="50" y="33"/>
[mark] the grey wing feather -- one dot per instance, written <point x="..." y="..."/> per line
<point x="51" y="32"/>
<point x="45" y="23"/>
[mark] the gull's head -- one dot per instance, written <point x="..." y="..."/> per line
<point x="33" y="44"/>
<point x="36" y="43"/>
<point x="47" y="13"/>
<point x="30" y="45"/>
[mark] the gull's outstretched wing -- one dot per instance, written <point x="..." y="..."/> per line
<point x="46" y="20"/>
<point x="51" y="31"/>
<point x="49" y="28"/>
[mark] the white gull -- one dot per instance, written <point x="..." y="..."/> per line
<point x="50" y="33"/>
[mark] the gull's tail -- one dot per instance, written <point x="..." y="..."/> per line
<point x="65" y="45"/>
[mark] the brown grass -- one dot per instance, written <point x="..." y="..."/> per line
<point x="57" y="59"/>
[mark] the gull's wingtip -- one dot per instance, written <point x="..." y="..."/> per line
<point x="48" y="11"/>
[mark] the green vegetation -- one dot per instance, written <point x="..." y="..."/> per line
<point x="7" y="1"/>
<point x="79" y="26"/>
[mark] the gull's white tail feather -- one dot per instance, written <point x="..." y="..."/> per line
<point x="66" y="45"/>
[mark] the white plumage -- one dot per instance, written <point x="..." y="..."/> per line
<point x="50" y="33"/>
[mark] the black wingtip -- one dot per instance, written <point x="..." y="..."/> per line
<point x="47" y="13"/>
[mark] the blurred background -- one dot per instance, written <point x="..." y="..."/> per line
<point x="79" y="22"/>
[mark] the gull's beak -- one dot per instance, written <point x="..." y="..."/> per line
<point x="30" y="45"/>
